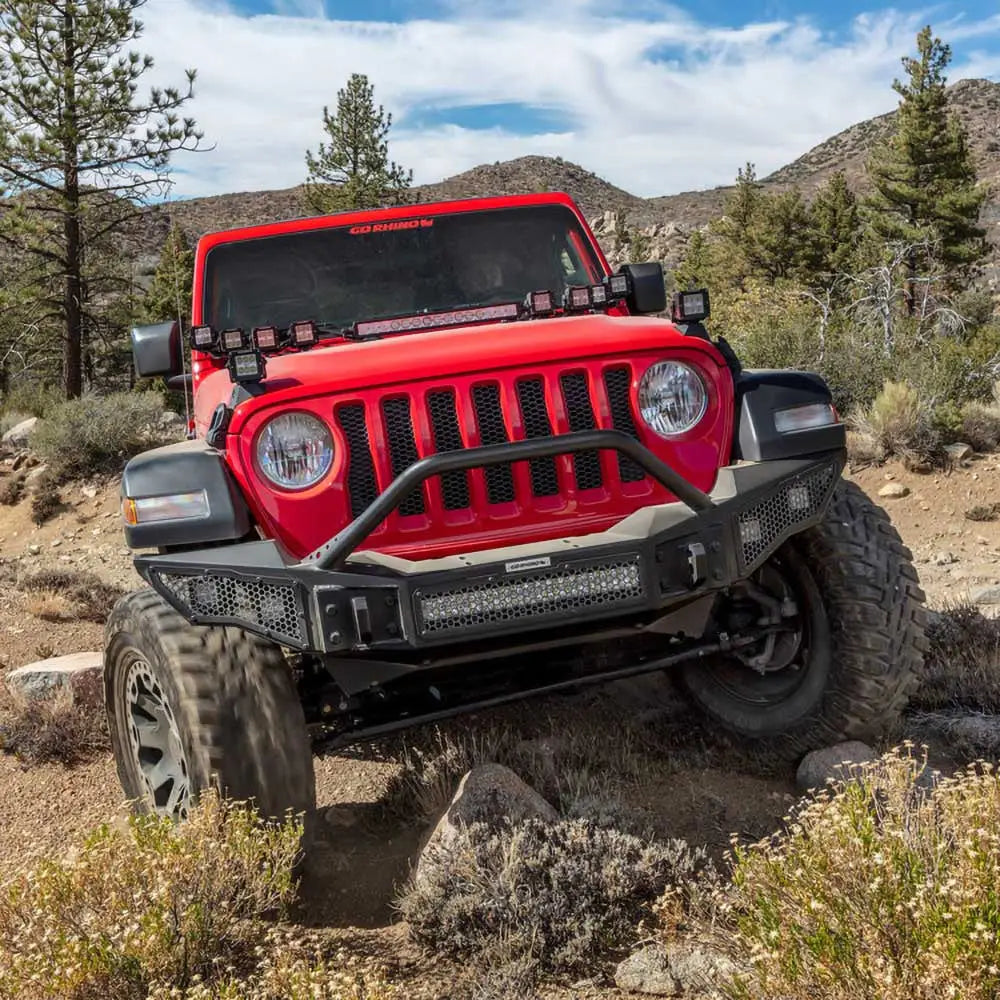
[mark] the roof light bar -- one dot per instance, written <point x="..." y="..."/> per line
<point x="303" y="333"/>
<point x="266" y="338"/>
<point x="426" y="321"/>
<point x="690" y="307"/>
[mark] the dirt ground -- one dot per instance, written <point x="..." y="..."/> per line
<point x="691" y="785"/>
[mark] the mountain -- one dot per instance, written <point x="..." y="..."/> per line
<point x="668" y="220"/>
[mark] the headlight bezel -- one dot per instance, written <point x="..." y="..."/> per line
<point x="287" y="485"/>
<point x="704" y="388"/>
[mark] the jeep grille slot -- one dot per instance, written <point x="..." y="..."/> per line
<point x="586" y="464"/>
<point x="493" y="430"/>
<point x="402" y="447"/>
<point x="531" y="396"/>
<point x="361" y="483"/>
<point x="448" y="437"/>
<point x="606" y="585"/>
<point x="617" y="382"/>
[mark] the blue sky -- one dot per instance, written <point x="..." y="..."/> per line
<point x="657" y="97"/>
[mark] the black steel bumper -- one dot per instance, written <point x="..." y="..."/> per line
<point x="652" y="560"/>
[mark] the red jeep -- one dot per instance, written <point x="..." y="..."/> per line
<point x="442" y="459"/>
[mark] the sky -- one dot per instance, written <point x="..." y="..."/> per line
<point x="655" y="97"/>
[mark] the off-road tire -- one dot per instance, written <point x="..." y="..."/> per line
<point x="868" y="657"/>
<point x="237" y="712"/>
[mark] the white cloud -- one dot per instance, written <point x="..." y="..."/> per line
<point x="652" y="101"/>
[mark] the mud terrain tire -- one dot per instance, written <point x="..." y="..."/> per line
<point x="867" y="631"/>
<point x="228" y="699"/>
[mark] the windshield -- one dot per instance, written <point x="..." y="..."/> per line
<point x="343" y="275"/>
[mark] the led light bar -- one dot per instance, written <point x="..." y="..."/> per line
<point x="540" y="303"/>
<point x="173" y="507"/>
<point x="403" y="324"/>
<point x="247" y="366"/>
<point x="690" y="307"/>
<point x="202" y="338"/>
<point x="598" y="295"/>
<point x="232" y="340"/>
<point x="617" y="286"/>
<point x="804" y="418"/>
<point x="266" y="338"/>
<point x="303" y="333"/>
<point x="577" y="298"/>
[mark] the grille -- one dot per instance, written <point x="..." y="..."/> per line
<point x="402" y="448"/>
<point x="361" y="483"/>
<point x="546" y="594"/>
<point x="586" y="464"/>
<point x="531" y="396"/>
<point x="499" y="480"/>
<point x="617" y="382"/>
<point x="793" y="502"/>
<point x="448" y="437"/>
<point x="268" y="607"/>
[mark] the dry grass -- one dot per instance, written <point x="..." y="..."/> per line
<point x="69" y="595"/>
<point x="51" y="730"/>
<point x="962" y="665"/>
<point x="876" y="889"/>
<point x="11" y="490"/>
<point x="898" y="424"/>
<point x="983" y="512"/>
<point x="981" y="426"/>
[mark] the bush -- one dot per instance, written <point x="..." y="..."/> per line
<point x="154" y="905"/>
<point x="46" y="501"/>
<point x="877" y="889"/>
<point x="51" y="730"/>
<point x="899" y="425"/>
<point x="555" y="895"/>
<point x="85" y="596"/>
<point x="31" y="399"/>
<point x="98" y="434"/>
<point x="981" y="426"/>
<point x="11" y="490"/>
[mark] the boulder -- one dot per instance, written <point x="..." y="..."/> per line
<point x="959" y="451"/>
<point x="676" y="971"/>
<point x="894" y="491"/>
<point x="832" y="763"/>
<point x="490" y="794"/>
<point x="17" y="436"/>
<point x="79" y="673"/>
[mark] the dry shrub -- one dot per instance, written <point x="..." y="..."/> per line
<point x="50" y="606"/>
<point x="557" y="896"/>
<point x="962" y="663"/>
<point x="897" y="425"/>
<point x="983" y="512"/>
<point x="84" y="596"/>
<point x="153" y="905"/>
<point x="981" y="426"/>
<point x="876" y="889"/>
<point x="56" y="729"/>
<point x="11" y="490"/>
<point x="46" y="501"/>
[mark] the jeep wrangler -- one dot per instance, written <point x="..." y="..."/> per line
<point x="442" y="458"/>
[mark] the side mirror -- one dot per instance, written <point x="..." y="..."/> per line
<point x="648" y="293"/>
<point x="156" y="349"/>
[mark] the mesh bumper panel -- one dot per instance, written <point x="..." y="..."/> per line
<point x="539" y="595"/>
<point x="270" y="607"/>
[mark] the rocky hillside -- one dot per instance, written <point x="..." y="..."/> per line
<point x="668" y="219"/>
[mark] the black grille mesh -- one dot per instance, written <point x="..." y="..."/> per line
<point x="448" y="437"/>
<point x="616" y="382"/>
<point x="531" y="396"/>
<point x="402" y="448"/>
<point x="361" y="483"/>
<point x="499" y="481"/>
<point x="586" y="464"/>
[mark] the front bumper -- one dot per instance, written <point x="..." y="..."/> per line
<point x="340" y="601"/>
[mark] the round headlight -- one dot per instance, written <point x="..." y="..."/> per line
<point x="672" y="398"/>
<point x="295" y="450"/>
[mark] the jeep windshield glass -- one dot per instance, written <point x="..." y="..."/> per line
<point x="344" y="275"/>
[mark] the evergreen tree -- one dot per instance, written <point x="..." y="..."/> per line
<point x="836" y="221"/>
<point x="77" y="144"/>
<point x="737" y="230"/>
<point x="926" y="197"/>
<point x="169" y="294"/>
<point x="696" y="269"/>
<point x="353" y="169"/>
<point x="782" y="240"/>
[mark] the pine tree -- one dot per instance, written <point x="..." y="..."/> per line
<point x="738" y="228"/>
<point x="78" y="146"/>
<point x="783" y="243"/>
<point x="353" y="169"/>
<point x="169" y="294"/>
<point x="926" y="197"/>
<point x="836" y="221"/>
<point x="696" y="268"/>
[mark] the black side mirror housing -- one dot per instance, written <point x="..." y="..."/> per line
<point x="156" y="350"/>
<point x="648" y="293"/>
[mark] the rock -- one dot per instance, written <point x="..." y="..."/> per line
<point x="36" y="473"/>
<point x="894" y="491"/>
<point x="676" y="971"/>
<point x="89" y="492"/>
<point x="836" y="763"/>
<point x="959" y="451"/>
<point x="491" y="794"/>
<point x="17" y="436"/>
<point x="33" y="550"/>
<point x="79" y="673"/>
<point x="985" y="595"/>
<point x="944" y="559"/>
